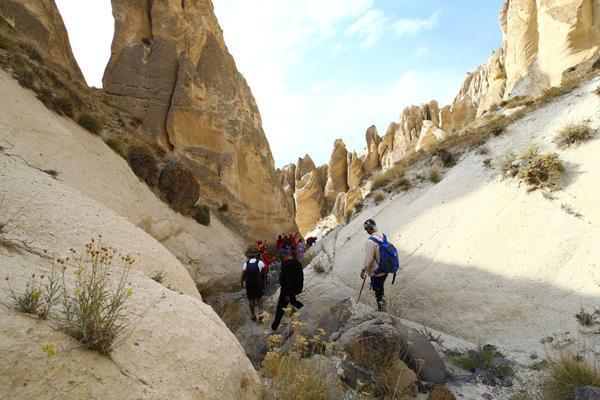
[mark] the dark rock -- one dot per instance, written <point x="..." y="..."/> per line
<point x="144" y="164"/>
<point x="587" y="393"/>
<point x="352" y="374"/>
<point x="484" y="377"/>
<point x="506" y="381"/>
<point x="179" y="187"/>
<point x="452" y="353"/>
<point x="432" y="367"/>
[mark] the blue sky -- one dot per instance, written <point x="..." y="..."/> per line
<point x="323" y="69"/>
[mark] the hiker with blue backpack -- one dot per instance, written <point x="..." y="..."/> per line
<point x="381" y="259"/>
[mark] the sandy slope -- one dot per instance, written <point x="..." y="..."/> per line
<point x="485" y="260"/>
<point x="85" y="164"/>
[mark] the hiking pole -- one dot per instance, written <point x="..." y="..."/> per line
<point x="361" y="288"/>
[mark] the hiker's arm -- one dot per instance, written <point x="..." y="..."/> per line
<point x="369" y="254"/>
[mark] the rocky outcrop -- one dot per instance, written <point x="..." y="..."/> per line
<point x="355" y="173"/>
<point x="371" y="158"/>
<point x="430" y="136"/>
<point x="309" y="197"/>
<point x="544" y="40"/>
<point x="171" y="69"/>
<point x="287" y="179"/>
<point x="337" y="172"/>
<point x="40" y="22"/>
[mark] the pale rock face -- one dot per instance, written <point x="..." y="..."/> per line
<point x="545" y="38"/>
<point x="287" y="179"/>
<point x="345" y="203"/>
<point x="371" y="158"/>
<point x="337" y="173"/>
<point x="303" y="167"/>
<point x="40" y="21"/>
<point x="310" y="201"/>
<point x="355" y="170"/>
<point x="170" y="68"/>
<point x="430" y="136"/>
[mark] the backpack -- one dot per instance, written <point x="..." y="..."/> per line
<point x="388" y="257"/>
<point x="252" y="272"/>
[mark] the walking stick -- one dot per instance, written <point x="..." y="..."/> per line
<point x="361" y="288"/>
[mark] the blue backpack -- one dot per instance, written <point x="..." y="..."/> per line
<point x="388" y="257"/>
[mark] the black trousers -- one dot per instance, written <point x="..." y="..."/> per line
<point x="283" y="303"/>
<point x="377" y="286"/>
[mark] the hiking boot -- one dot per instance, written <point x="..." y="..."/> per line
<point x="381" y="306"/>
<point x="253" y="318"/>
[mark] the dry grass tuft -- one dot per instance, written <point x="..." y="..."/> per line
<point x="90" y="123"/>
<point x="435" y="175"/>
<point x="537" y="170"/>
<point x="597" y="91"/>
<point x="378" y="196"/>
<point x="568" y="371"/>
<point x="518" y="101"/>
<point x="385" y="178"/>
<point x="573" y="133"/>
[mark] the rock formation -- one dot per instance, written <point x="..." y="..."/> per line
<point x="545" y="39"/>
<point x="309" y="197"/>
<point x="287" y="179"/>
<point x="355" y="171"/>
<point x="40" y="22"/>
<point x="337" y="172"/>
<point x="371" y="159"/>
<point x="171" y="69"/>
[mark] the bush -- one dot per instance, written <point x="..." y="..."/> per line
<point x="94" y="310"/>
<point x="159" y="277"/>
<point x="202" y="214"/>
<point x="378" y="196"/>
<point x="485" y="358"/>
<point x="435" y="175"/>
<point x="518" y="101"/>
<point x="25" y="77"/>
<point x="384" y="178"/>
<point x="39" y="297"/>
<point x="143" y="164"/>
<point x="90" y="123"/>
<point x="447" y="158"/>
<point x="537" y="170"/>
<point x="585" y="318"/>
<point x="573" y="133"/>
<point x="117" y="147"/>
<point x="597" y="91"/>
<point x="567" y="372"/>
<point x="402" y="184"/>
<point x="223" y="208"/>
<point x="63" y="106"/>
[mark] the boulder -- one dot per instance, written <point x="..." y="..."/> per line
<point x="171" y="69"/>
<point x="40" y="22"/>
<point x="179" y="186"/>
<point x="429" y="138"/>
<point x="587" y="393"/>
<point x="383" y="336"/>
<point x="144" y="164"/>
<point x="371" y="159"/>
<point x="337" y="172"/>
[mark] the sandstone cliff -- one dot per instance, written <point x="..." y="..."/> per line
<point x="171" y="69"/>
<point x="40" y="22"/>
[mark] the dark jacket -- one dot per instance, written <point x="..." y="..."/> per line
<point x="291" y="278"/>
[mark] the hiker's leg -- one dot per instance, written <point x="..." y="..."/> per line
<point x="260" y="305"/>
<point x="281" y="304"/>
<point x="377" y="283"/>
<point x="251" y="305"/>
<point x="295" y="302"/>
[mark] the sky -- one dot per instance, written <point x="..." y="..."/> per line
<point x="327" y="69"/>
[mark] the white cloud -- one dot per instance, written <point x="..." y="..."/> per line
<point x="413" y="26"/>
<point x="370" y="27"/>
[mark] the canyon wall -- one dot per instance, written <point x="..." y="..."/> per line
<point x="171" y="69"/>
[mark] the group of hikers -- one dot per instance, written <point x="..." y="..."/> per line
<point x="381" y="259"/>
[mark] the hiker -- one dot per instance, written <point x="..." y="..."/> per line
<point x="279" y="242"/>
<point x="291" y="280"/>
<point x="252" y="279"/>
<point x="300" y="249"/>
<point x="267" y="260"/>
<point x="381" y="258"/>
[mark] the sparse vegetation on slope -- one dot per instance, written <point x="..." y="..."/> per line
<point x="90" y="123"/>
<point x="573" y="133"/>
<point x="536" y="169"/>
<point x="568" y="371"/>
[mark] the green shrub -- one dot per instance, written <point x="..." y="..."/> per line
<point x="94" y="309"/>
<point x="568" y="371"/>
<point x="63" y="105"/>
<point x="483" y="359"/>
<point x="90" y="123"/>
<point x="585" y="318"/>
<point x="117" y="147"/>
<point x="159" y="277"/>
<point x="25" y="77"/>
<point x="573" y="133"/>
<point x="202" y="214"/>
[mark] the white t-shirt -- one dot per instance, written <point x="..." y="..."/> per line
<point x="261" y="264"/>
